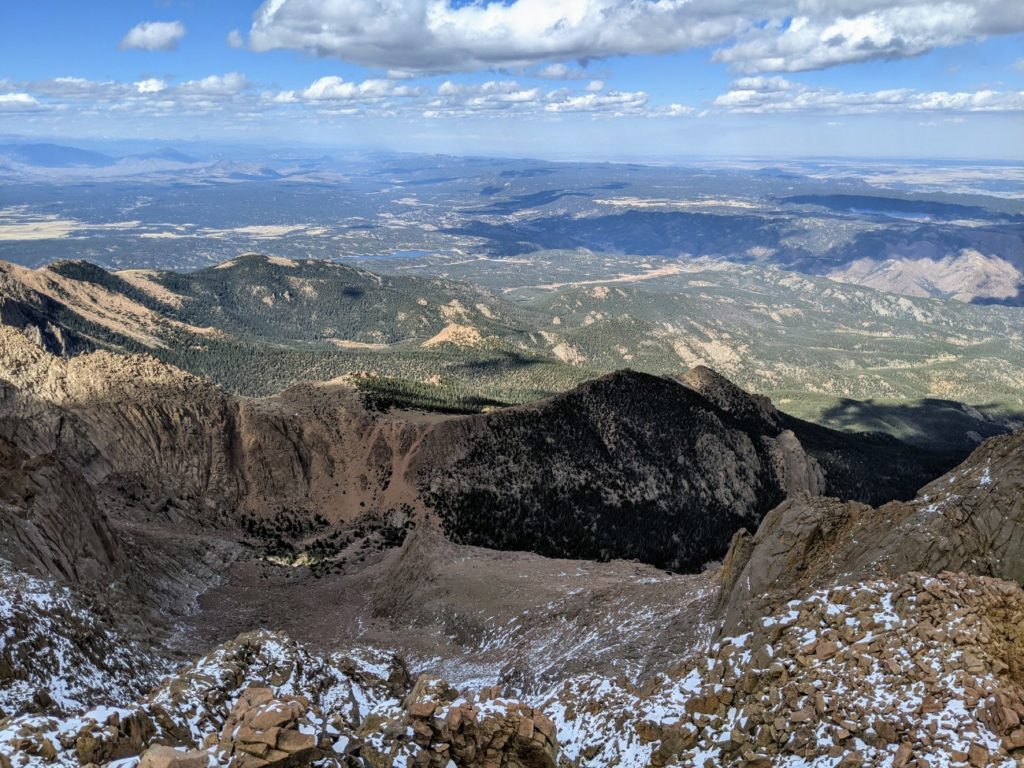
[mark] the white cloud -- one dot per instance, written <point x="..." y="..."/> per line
<point x="435" y="35"/>
<point x="809" y="42"/>
<point x="760" y="95"/>
<point x="150" y="85"/>
<point x="234" y="39"/>
<point x="334" y="88"/>
<point x="774" y="35"/>
<point x="224" y="85"/>
<point x="154" y="36"/>
<point x="560" y="71"/>
<point x="679" y="110"/>
<point x="595" y="85"/>
<point x="615" y="102"/>
<point x="19" y="102"/>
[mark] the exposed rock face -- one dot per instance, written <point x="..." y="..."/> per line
<point x="160" y="756"/>
<point x="971" y="520"/>
<point x="489" y="731"/>
<point x="264" y="731"/>
<point x="50" y="523"/>
<point x="124" y="420"/>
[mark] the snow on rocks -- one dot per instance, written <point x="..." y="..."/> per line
<point x="908" y="672"/>
<point x="59" y="651"/>
<point x="266" y="701"/>
<point x="482" y="729"/>
<point x="200" y="706"/>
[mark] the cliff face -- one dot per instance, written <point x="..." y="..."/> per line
<point x="50" y="522"/>
<point x="970" y="520"/>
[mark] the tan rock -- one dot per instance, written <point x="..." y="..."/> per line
<point x="977" y="755"/>
<point x="168" y="757"/>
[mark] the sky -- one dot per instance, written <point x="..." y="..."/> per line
<point x="575" y="79"/>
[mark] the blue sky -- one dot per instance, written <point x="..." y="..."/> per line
<point x="577" y="78"/>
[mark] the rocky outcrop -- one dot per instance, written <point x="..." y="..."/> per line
<point x="970" y="520"/>
<point x="477" y="732"/>
<point x="160" y="756"/>
<point x="50" y="524"/>
<point x="265" y="731"/>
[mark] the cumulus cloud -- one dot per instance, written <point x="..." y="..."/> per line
<point x="615" y="102"/>
<point x="154" y="36"/>
<point x="150" y="85"/>
<point x="806" y="42"/>
<point x="494" y="96"/>
<point x="503" y="97"/>
<point x="337" y="89"/>
<point x="775" y="35"/>
<point x="437" y="35"/>
<point x="761" y="95"/>
<point x="234" y="39"/>
<point x="678" y="110"/>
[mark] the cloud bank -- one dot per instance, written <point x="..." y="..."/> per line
<point x="431" y="36"/>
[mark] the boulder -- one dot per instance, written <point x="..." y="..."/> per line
<point x="168" y="757"/>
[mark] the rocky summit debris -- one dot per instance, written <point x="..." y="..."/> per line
<point x="913" y="671"/>
<point x="917" y="671"/>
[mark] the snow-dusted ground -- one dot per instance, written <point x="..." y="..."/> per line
<point x="903" y="669"/>
<point x="55" y="642"/>
<point x="915" y="663"/>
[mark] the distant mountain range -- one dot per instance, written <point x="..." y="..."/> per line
<point x="59" y="156"/>
<point x="925" y="242"/>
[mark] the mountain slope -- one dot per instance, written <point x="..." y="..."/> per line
<point x="628" y="465"/>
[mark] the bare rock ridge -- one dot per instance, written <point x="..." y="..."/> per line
<point x="970" y="520"/>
